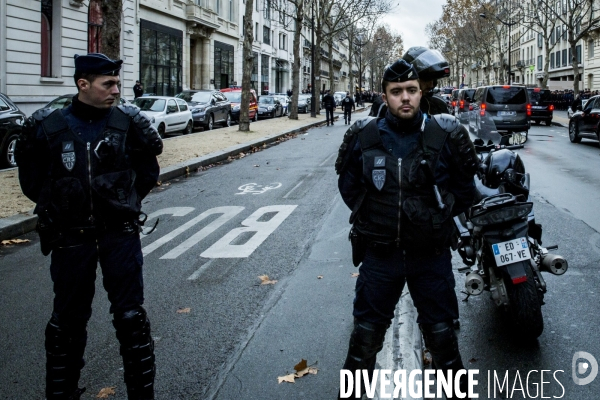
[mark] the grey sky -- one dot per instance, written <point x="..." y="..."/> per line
<point x="410" y="18"/>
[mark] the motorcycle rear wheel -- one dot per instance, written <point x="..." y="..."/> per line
<point x="525" y="308"/>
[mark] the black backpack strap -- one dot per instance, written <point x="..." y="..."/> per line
<point x="368" y="133"/>
<point x="118" y="120"/>
<point x="54" y="123"/>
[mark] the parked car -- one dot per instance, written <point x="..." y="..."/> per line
<point x="463" y="103"/>
<point x="338" y="97"/>
<point x="585" y="124"/>
<point x="304" y="103"/>
<point x="503" y="108"/>
<point x="167" y="114"/>
<point x="541" y="105"/>
<point x="448" y="100"/>
<point x="235" y="97"/>
<point x="570" y="112"/>
<point x="209" y="107"/>
<point x="454" y="99"/>
<point x="269" y="106"/>
<point x="285" y="101"/>
<point x="65" y="100"/>
<point x="11" y="123"/>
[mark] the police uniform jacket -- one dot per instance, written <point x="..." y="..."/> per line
<point x="92" y="171"/>
<point x="389" y="211"/>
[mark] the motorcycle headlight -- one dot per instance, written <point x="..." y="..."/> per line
<point x="500" y="215"/>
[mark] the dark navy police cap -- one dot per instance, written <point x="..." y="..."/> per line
<point x="97" y="64"/>
<point x="400" y="71"/>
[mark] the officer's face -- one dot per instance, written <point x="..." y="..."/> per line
<point x="100" y="93"/>
<point x="403" y="98"/>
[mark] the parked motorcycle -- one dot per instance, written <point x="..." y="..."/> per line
<point x="500" y="242"/>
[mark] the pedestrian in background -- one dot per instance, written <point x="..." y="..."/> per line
<point x="88" y="167"/>
<point x="138" y="89"/>
<point x="329" y="105"/>
<point x="348" y="106"/>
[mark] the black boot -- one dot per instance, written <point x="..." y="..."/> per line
<point x="137" y="350"/>
<point x="366" y="341"/>
<point x="65" y="346"/>
<point x="442" y="343"/>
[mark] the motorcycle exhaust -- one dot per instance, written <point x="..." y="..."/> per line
<point x="554" y="264"/>
<point x="474" y="284"/>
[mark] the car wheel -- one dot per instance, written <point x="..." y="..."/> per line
<point x="574" y="132"/>
<point x="161" y="130"/>
<point x="188" y="128"/>
<point x="255" y="116"/>
<point x="273" y="113"/>
<point x="211" y="122"/>
<point x="8" y="152"/>
<point x="228" y="120"/>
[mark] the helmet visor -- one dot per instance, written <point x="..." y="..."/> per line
<point x="429" y="59"/>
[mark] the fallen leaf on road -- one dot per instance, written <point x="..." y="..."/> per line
<point x="266" y="281"/>
<point x="302" y="368"/>
<point x="355" y="274"/>
<point x="14" y="241"/>
<point x="287" y="378"/>
<point x="184" y="310"/>
<point x="320" y="277"/>
<point x="105" y="392"/>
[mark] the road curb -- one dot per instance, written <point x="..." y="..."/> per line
<point x="19" y="224"/>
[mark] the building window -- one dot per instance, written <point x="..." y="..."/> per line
<point x="591" y="49"/>
<point x="539" y="63"/>
<point x="564" y="58"/>
<point x="266" y="35"/>
<point x="161" y="55"/>
<point x="283" y="41"/>
<point x="224" y="64"/>
<point x="578" y="55"/>
<point x="267" y="10"/>
<point x="264" y="74"/>
<point x="558" y="59"/>
<point x="552" y="36"/>
<point x="231" y="11"/>
<point x="95" y="24"/>
<point x="256" y="31"/>
<point x="564" y="32"/>
<point x="254" y="76"/>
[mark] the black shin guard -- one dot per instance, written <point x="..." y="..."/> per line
<point x="366" y="341"/>
<point x="65" y="346"/>
<point x="442" y="343"/>
<point x="137" y="350"/>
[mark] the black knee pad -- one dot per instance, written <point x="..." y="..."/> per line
<point x="366" y="339"/>
<point x="442" y="343"/>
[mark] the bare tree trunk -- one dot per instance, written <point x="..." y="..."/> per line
<point x="299" y="17"/>
<point x="573" y="45"/>
<point x="248" y="63"/>
<point x="111" y="33"/>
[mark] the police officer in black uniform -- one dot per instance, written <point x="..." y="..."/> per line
<point x="405" y="175"/>
<point x="348" y="106"/>
<point x="329" y="104"/>
<point x="88" y="167"/>
<point x="431" y="66"/>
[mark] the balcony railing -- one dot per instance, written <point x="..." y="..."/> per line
<point x="337" y="63"/>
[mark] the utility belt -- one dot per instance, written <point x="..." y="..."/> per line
<point x="361" y="243"/>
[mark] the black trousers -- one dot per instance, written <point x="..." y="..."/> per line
<point x="73" y="271"/>
<point x="347" y="115"/>
<point x="329" y="115"/>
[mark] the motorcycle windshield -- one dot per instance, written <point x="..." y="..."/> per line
<point x="504" y="125"/>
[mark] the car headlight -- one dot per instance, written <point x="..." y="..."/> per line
<point x="235" y="108"/>
<point x="270" y="108"/>
<point x="197" y="110"/>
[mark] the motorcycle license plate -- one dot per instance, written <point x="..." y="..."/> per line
<point x="511" y="252"/>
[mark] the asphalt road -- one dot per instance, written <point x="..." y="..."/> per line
<point x="220" y="334"/>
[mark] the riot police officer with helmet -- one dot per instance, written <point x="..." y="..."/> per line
<point x="88" y="167"/>
<point x="404" y="175"/>
<point x="431" y="66"/>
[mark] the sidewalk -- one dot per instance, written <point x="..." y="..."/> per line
<point x="559" y="118"/>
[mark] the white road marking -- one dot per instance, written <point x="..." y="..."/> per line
<point x="262" y="229"/>
<point x="200" y="270"/>
<point x="168" y="237"/>
<point x="327" y="159"/>
<point x="255" y="188"/>
<point x="228" y="213"/>
<point x="295" y="187"/>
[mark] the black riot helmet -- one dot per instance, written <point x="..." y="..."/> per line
<point x="430" y="64"/>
